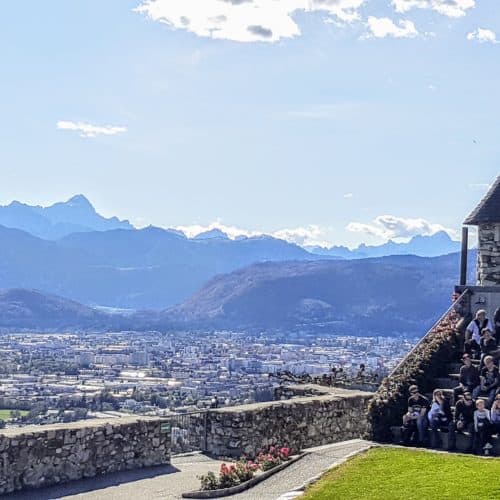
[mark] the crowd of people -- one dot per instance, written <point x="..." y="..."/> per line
<point x="476" y="398"/>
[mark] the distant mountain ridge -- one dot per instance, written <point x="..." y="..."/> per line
<point x="58" y="220"/>
<point x="149" y="268"/>
<point x="386" y="296"/>
<point x="434" y="245"/>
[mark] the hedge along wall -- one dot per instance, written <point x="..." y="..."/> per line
<point x="421" y="366"/>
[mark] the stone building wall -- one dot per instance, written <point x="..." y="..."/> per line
<point x="488" y="265"/>
<point x="33" y="457"/>
<point x="330" y="415"/>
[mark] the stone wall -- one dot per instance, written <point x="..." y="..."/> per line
<point x="36" y="456"/>
<point x="488" y="265"/>
<point x="330" y="415"/>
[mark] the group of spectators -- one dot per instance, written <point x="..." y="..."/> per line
<point x="476" y="398"/>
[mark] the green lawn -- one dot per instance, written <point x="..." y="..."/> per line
<point x="393" y="474"/>
<point x="5" y="414"/>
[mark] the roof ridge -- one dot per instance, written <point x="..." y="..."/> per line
<point x="488" y="209"/>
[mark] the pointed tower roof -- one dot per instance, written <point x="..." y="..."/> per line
<point x="488" y="209"/>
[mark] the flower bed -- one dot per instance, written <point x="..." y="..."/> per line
<point x="244" y="474"/>
<point x="244" y="470"/>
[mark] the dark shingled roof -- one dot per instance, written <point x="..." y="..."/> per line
<point x="489" y="208"/>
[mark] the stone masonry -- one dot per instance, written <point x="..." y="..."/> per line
<point x="488" y="266"/>
<point x="35" y="456"/>
<point x="320" y="415"/>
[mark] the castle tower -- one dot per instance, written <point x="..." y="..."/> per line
<point x="486" y="217"/>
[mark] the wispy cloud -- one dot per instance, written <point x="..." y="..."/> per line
<point x="482" y="35"/>
<point x="392" y="227"/>
<point x="480" y="185"/>
<point x="348" y="195"/>
<point x="383" y="27"/>
<point x="89" y="130"/>
<point x="450" y="8"/>
<point x="245" y="20"/>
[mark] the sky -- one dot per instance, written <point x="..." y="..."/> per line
<point x="319" y="121"/>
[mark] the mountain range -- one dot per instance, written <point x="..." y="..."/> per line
<point x="385" y="296"/>
<point x="142" y="268"/>
<point x="68" y="263"/>
<point x="434" y="245"/>
<point x="58" y="220"/>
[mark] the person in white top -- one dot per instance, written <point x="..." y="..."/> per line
<point x="482" y="428"/>
<point x="473" y="331"/>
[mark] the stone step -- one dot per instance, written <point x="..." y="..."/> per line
<point x="462" y="441"/>
<point x="445" y="383"/>
<point x="455" y="367"/>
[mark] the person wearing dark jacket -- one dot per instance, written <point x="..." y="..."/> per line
<point x="415" y="421"/>
<point x="469" y="378"/>
<point x="496" y="324"/>
<point x="490" y="381"/>
<point x="463" y="422"/>
<point x="488" y="345"/>
<point x="439" y="416"/>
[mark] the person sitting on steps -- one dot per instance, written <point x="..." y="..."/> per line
<point x="473" y="332"/>
<point x="490" y="379"/>
<point x="496" y="321"/>
<point x="463" y="422"/>
<point x="495" y="416"/>
<point x="439" y="416"/>
<point x="482" y="428"/>
<point x="488" y="345"/>
<point x="415" y="420"/>
<point x="469" y="378"/>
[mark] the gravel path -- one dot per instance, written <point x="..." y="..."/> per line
<point x="170" y="482"/>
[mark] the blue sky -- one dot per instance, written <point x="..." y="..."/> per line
<point x="315" y="122"/>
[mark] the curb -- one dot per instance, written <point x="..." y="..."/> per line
<point x="300" y="490"/>
<point x="244" y="486"/>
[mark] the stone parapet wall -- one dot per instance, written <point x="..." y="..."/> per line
<point x="36" y="456"/>
<point x="330" y="415"/>
<point x="488" y="265"/>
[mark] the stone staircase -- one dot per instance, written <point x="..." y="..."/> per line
<point x="446" y="384"/>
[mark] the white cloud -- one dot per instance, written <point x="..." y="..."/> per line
<point x="382" y="27"/>
<point x="392" y="227"/>
<point x="450" y="8"/>
<point x="245" y="20"/>
<point x="311" y="235"/>
<point x="482" y="35"/>
<point x="349" y="195"/>
<point x="308" y="235"/>
<point x="89" y="130"/>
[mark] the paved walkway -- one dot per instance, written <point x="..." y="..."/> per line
<point x="170" y="482"/>
<point x="294" y="476"/>
<point x="144" y="484"/>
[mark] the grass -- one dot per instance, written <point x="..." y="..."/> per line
<point x="5" y="414"/>
<point x="393" y="474"/>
